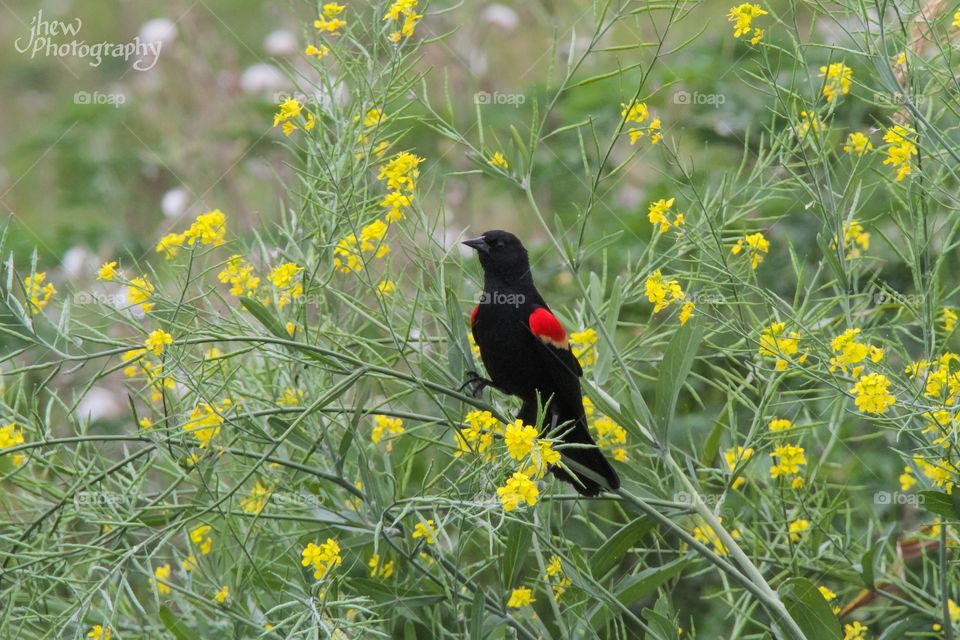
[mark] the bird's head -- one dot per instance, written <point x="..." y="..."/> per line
<point x="501" y="254"/>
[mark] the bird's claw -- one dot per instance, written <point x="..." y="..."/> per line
<point x="474" y="378"/>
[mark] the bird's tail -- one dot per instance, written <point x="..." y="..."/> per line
<point x="579" y="447"/>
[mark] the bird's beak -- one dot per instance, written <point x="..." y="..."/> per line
<point x="479" y="244"/>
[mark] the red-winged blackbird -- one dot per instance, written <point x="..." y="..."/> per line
<point x="526" y="353"/>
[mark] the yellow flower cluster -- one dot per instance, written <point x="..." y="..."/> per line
<point x="855" y="631"/>
<point x="497" y="160"/>
<point x="734" y="458"/>
<point x="285" y="277"/>
<point x="99" y="632"/>
<point x="610" y="435"/>
<point x="520" y="597"/>
<point x="139" y="291"/>
<point x="857" y="143"/>
<point x="837" y="80"/>
<point x="900" y="150"/>
<point x="291" y="397"/>
<point x="777" y="343"/>
<point x="152" y="371"/>
<point x="939" y="382"/>
<point x="948" y="318"/>
<point x="741" y="17"/>
<point x="160" y="576"/>
<point x="872" y="393"/>
<point x="200" y="536"/>
<point x="808" y="122"/>
<point x="518" y="489"/>
<point x="400" y="174"/>
<point x="797" y="528"/>
<point x="385" y="425"/>
<point x="556" y="578"/>
<point x="780" y="424"/>
<point x="240" y="275"/>
<point x="941" y="473"/>
<point x="322" y="557"/>
<point x="256" y="500"/>
<point x="788" y="459"/>
<point x="478" y="436"/>
<point x="157" y="341"/>
<point x="662" y="293"/>
<point x="637" y="113"/>
<point x="348" y="254"/>
<point x="378" y="569"/>
<point x="855" y="239"/>
<point x="11" y="436"/>
<point x="757" y="248"/>
<point x="404" y="13"/>
<point x="425" y="530"/>
<point x="208" y="229"/>
<point x="290" y="110"/>
<point x="328" y="22"/>
<point x="657" y="215"/>
<point x="583" y="344"/>
<point x="850" y="353"/>
<point x="38" y="293"/>
<point x="206" y="420"/>
<point x="708" y="536"/>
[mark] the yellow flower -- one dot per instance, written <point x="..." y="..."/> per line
<point x="826" y="593"/>
<point x="38" y="293"/>
<point x="851" y="352"/>
<point x="240" y="275"/>
<point x="637" y="113"/>
<point x="162" y="573"/>
<point x="734" y="457"/>
<point x="517" y="490"/>
<point x="662" y="293"/>
<point x="900" y="150"/>
<point x="99" y="632"/>
<point x="291" y="397"/>
<point x="582" y="344"/>
<point x="478" y="436"/>
<point x="871" y="393"/>
<point x="520" y="597"/>
<point x="378" y="569"/>
<point x="707" y="535"/>
<point x="956" y="19"/>
<point x="200" y="537"/>
<point x="854" y="631"/>
<point x="657" y="213"/>
<point x="776" y="343"/>
<point x="401" y="172"/>
<point x="190" y="563"/>
<point x="519" y="439"/>
<point x="941" y="473"/>
<point x="855" y="239"/>
<point x="108" y="271"/>
<point x="385" y="425"/>
<point x="686" y="312"/>
<point x="205" y="422"/>
<point x="317" y="52"/>
<point x="145" y="423"/>
<point x="857" y="143"/>
<point x="742" y="17"/>
<point x="780" y="424"/>
<point x="426" y="530"/>
<point x="321" y="557"/>
<point x="170" y="244"/>
<point x="757" y="248"/>
<point x="386" y="287"/>
<point x="949" y="318"/>
<point x="222" y="595"/>
<point x="838" y="77"/>
<point x="611" y="436"/>
<point x="208" y="228"/>
<point x="139" y="292"/>
<point x="157" y="341"/>
<point x="328" y="20"/>
<point x="789" y="458"/>
<point x="797" y="528"/>
<point x="257" y="499"/>
<point x="288" y="110"/>
<point x="497" y="160"/>
<point x="808" y="122"/>
<point x="907" y="479"/>
<point x="405" y="9"/>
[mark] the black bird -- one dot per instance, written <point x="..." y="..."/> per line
<point x="526" y="353"/>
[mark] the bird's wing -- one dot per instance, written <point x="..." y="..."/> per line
<point x="556" y="347"/>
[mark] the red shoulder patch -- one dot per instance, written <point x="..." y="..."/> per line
<point x="545" y="326"/>
<point x="473" y="315"/>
